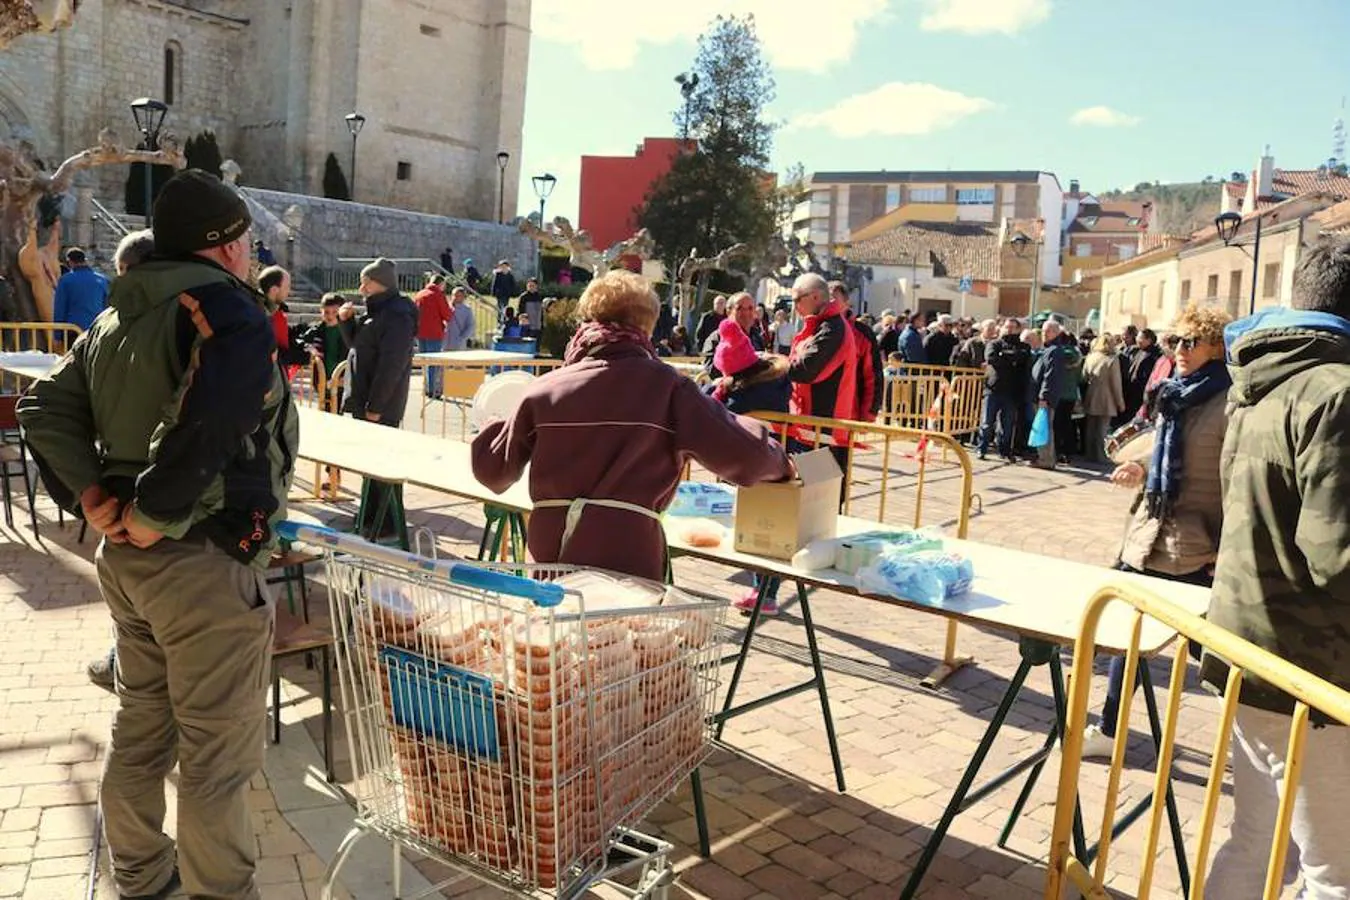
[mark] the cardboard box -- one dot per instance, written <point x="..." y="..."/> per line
<point x="777" y="520"/>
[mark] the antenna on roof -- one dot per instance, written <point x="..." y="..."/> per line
<point x="1338" y="139"/>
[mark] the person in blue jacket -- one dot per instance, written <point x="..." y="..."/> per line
<point x="81" y="294"/>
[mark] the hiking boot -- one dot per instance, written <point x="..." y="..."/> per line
<point x="102" y="672"/>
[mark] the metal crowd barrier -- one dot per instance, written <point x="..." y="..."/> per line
<point x="934" y="398"/>
<point x="875" y="450"/>
<point x="43" y="337"/>
<point x="461" y="380"/>
<point x="1309" y="692"/>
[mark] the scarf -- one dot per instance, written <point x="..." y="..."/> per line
<point x="591" y="336"/>
<point x="1175" y="396"/>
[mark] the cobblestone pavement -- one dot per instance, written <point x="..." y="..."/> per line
<point x="780" y="830"/>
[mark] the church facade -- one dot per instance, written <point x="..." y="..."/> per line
<point x="440" y="83"/>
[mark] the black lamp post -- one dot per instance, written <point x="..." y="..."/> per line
<point x="149" y="114"/>
<point x="688" y="82"/>
<point x="543" y="186"/>
<point x="1021" y="244"/>
<point x="502" y="159"/>
<point x="1228" y="224"/>
<point x="355" y="122"/>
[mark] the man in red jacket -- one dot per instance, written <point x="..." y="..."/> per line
<point x="871" y="374"/>
<point x="433" y="314"/>
<point x="823" y="365"/>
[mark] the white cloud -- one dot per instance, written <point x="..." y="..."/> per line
<point x="610" y="34"/>
<point x="897" y="108"/>
<point x="984" y="16"/>
<point x="1104" y="117"/>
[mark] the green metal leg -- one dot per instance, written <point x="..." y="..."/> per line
<point x="489" y="528"/>
<point x="820" y="686"/>
<point x="957" y="802"/>
<point x="700" y="813"/>
<point x="1056" y="732"/>
<point x="740" y="659"/>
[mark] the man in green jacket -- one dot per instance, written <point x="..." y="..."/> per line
<point x="1282" y="578"/>
<point x="169" y="427"/>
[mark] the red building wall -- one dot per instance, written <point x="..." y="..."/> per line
<point x="613" y="188"/>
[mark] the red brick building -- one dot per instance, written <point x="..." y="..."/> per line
<point x="613" y="188"/>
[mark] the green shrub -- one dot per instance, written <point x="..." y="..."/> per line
<point x="560" y="323"/>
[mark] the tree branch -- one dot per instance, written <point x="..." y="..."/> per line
<point x="110" y="155"/>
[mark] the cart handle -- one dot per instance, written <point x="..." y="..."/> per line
<point x="541" y="593"/>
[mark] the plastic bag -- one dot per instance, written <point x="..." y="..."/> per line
<point x="701" y="498"/>
<point x="928" y="577"/>
<point x="861" y="550"/>
<point x="1040" y="428"/>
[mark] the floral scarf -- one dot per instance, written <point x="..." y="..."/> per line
<point x="591" y="336"/>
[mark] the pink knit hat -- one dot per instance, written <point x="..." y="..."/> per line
<point x="734" y="352"/>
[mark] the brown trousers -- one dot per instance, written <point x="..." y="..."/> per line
<point x="194" y="638"/>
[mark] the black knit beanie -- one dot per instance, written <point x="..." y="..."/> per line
<point x="196" y="211"/>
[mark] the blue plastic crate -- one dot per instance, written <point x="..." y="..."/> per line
<point x="443" y="702"/>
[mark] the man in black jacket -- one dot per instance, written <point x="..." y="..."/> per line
<point x="708" y="322"/>
<point x="379" y="370"/>
<point x="1140" y="368"/>
<point x="940" y="342"/>
<point x="746" y="314"/>
<point x="1007" y="368"/>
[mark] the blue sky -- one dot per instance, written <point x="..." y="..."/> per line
<point x="1111" y="93"/>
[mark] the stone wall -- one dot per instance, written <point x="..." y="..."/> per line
<point x="359" y="230"/>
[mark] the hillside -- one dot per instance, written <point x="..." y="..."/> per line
<point x="1177" y="208"/>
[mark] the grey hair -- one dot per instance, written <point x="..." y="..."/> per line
<point x="134" y="249"/>
<point x="810" y="282"/>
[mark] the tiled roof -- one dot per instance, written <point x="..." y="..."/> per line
<point x="960" y="248"/>
<point x="1335" y="219"/>
<point x="1149" y="242"/>
<point x="1109" y="218"/>
<point x="1272" y="213"/>
<point x="1286" y="183"/>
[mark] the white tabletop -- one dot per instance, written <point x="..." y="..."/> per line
<point x="1024" y="593"/>
<point x="30" y="364"/>
<point x="393" y="454"/>
<point x="472" y="357"/>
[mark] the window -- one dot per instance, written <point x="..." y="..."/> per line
<point x="1125" y="251"/>
<point x="1270" y="283"/>
<point x="430" y="30"/>
<point x="1235" y="284"/>
<point x="892" y="196"/>
<point x="405" y="171"/>
<point x="173" y="55"/>
<point x="1212" y="287"/>
<point x="1082" y="250"/>
<point x="928" y="195"/>
<point x="1185" y="290"/>
<point x="974" y="196"/>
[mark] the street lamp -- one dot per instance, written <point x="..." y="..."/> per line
<point x="149" y="114"/>
<point x="687" y="81"/>
<point x="1021" y="245"/>
<point x="543" y="186"/>
<point x="355" y="122"/>
<point x="1227" y="224"/>
<point x="502" y="159"/>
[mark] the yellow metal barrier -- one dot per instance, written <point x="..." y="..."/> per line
<point x="1309" y="693"/>
<point x="48" y="337"/>
<point x="935" y="398"/>
<point x="873" y="448"/>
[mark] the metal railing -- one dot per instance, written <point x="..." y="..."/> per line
<point x="46" y="337"/>
<point x="874" y="451"/>
<point x="1307" y="690"/>
<point x="413" y="275"/>
<point x="934" y="398"/>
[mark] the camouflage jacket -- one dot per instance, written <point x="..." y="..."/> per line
<point x="1282" y="578"/>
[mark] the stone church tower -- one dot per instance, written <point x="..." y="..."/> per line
<point x="441" y="84"/>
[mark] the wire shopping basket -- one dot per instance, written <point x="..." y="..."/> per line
<point x="517" y="722"/>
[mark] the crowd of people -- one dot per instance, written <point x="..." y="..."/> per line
<point x="169" y="427"/>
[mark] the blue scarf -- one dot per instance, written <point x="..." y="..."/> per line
<point x="1175" y="396"/>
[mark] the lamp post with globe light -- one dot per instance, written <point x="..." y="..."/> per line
<point x="543" y="186"/>
<point x="1228" y="224"/>
<point x="355" y="122"/>
<point x="149" y="114"/>
<point x="503" y="158"/>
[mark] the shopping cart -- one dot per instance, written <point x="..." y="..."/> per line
<point x="517" y="722"/>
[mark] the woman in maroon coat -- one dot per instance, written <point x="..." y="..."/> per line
<point x="607" y="435"/>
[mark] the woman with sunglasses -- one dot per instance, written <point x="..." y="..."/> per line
<point x="1177" y="516"/>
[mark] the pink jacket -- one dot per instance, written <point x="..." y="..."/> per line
<point x="618" y="426"/>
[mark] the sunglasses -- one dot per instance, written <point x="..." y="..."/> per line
<point x="1190" y="343"/>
